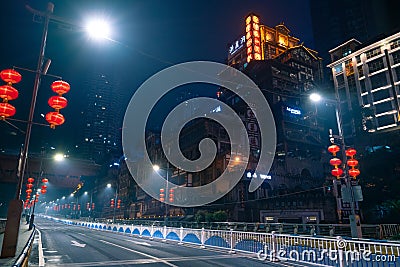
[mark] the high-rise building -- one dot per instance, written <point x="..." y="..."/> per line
<point x="367" y="79"/>
<point x="101" y="118"/>
<point x="286" y="71"/>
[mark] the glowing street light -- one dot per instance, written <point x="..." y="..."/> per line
<point x="59" y="157"/>
<point x="156" y="168"/>
<point x="108" y="185"/>
<point x="315" y="97"/>
<point x="98" y="29"/>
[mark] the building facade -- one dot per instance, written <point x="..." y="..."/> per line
<point x="294" y="190"/>
<point x="367" y="79"/>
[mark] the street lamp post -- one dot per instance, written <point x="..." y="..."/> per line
<point x="15" y="207"/>
<point x="157" y="168"/>
<point x="355" y="224"/>
<point x="115" y="200"/>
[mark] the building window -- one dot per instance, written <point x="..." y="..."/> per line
<point x="375" y="65"/>
<point x="378" y="80"/>
<point x="349" y="68"/>
<point x="396" y="57"/>
<point x="363" y="88"/>
<point x="397" y="72"/>
<point x="372" y="53"/>
<point x="395" y="44"/>
<point x="338" y="68"/>
<point x="360" y="71"/>
<point x="340" y="81"/>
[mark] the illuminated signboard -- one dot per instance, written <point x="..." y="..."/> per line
<point x="253" y="44"/>
<point x="233" y="48"/>
<point x="258" y="175"/>
<point x="293" y="111"/>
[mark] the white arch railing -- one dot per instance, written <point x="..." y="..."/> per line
<point x="326" y="251"/>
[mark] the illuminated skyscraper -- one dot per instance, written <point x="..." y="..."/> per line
<point x="101" y="119"/>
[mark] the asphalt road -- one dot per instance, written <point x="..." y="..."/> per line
<point x="63" y="245"/>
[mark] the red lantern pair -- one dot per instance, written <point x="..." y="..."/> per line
<point x="55" y="118"/>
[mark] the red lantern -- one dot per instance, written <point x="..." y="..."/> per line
<point x="334" y="149"/>
<point x="171" y="199"/>
<point x="351" y="152"/>
<point x="337" y="172"/>
<point x="352" y="162"/>
<point x="335" y="162"/>
<point x="55" y="119"/>
<point x="354" y="172"/>
<point x="29" y="186"/>
<point x="31" y="180"/>
<point x="10" y="76"/>
<point x="161" y="190"/>
<point x="36" y="200"/>
<point x="57" y="102"/>
<point x="45" y="180"/>
<point x="44" y="186"/>
<point x="43" y="191"/>
<point x="162" y="199"/>
<point x="7" y="92"/>
<point x="60" y="87"/>
<point x="6" y="110"/>
<point x="28" y="191"/>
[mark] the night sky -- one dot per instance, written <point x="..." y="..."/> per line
<point x="151" y="35"/>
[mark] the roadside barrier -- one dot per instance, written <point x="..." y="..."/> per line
<point x="324" y="251"/>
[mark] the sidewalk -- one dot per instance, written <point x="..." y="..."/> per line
<point x="23" y="238"/>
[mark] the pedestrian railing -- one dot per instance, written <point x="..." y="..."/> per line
<point x="22" y="260"/>
<point x="372" y="231"/>
<point x="325" y="251"/>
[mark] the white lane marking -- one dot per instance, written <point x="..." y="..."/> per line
<point x="81" y="234"/>
<point x="140" y="253"/>
<point x="51" y="251"/>
<point x="41" y="258"/>
<point x="76" y="244"/>
<point x="139" y="243"/>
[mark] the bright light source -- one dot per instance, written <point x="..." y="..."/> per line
<point x="63" y="197"/>
<point x="72" y="194"/>
<point x="237" y="159"/>
<point x="315" y="97"/>
<point x="156" y="168"/>
<point x="98" y="29"/>
<point x="59" y="157"/>
<point x="108" y="185"/>
<point x="85" y="193"/>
